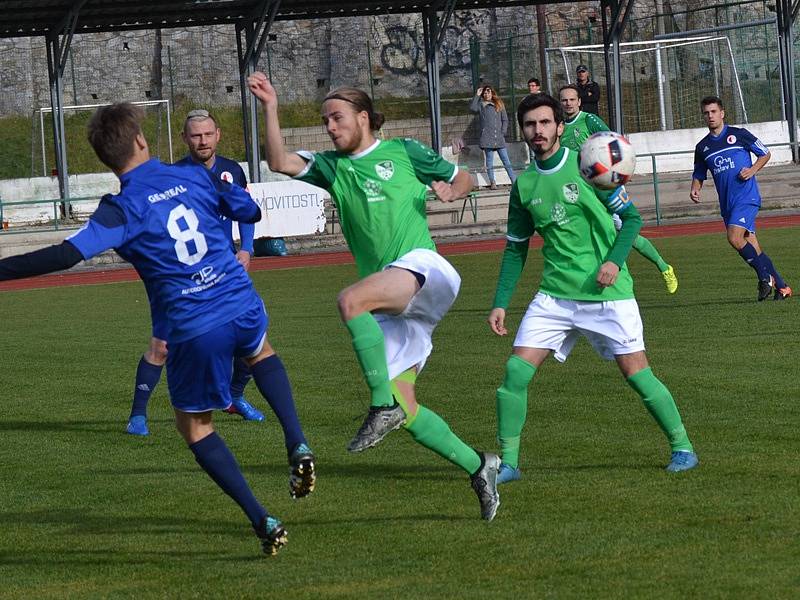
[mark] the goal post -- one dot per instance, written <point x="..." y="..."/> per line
<point x="156" y="111"/>
<point x="663" y="81"/>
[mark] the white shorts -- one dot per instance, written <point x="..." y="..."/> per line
<point x="408" y="335"/>
<point x="612" y="328"/>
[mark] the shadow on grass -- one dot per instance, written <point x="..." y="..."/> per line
<point x="367" y="471"/>
<point x="116" y="426"/>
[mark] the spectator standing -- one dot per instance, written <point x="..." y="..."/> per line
<point x="588" y="89"/>
<point x="494" y="125"/>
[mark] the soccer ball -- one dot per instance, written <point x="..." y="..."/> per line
<point x="607" y="160"/>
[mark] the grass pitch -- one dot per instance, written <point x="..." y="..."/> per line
<point x="88" y="511"/>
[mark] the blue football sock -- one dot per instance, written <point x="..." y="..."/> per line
<point x="240" y="379"/>
<point x="779" y="282"/>
<point x="213" y="456"/>
<point x="273" y="383"/>
<point x="147" y="376"/>
<point x="753" y="258"/>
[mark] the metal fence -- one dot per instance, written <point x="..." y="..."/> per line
<point x="690" y="71"/>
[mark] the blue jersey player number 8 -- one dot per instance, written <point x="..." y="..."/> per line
<point x="183" y="236"/>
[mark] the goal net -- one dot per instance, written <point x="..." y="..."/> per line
<point x="663" y="81"/>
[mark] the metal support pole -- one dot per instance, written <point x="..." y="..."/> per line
<point x="541" y="29"/>
<point x="370" y="78"/>
<point x="511" y="84"/>
<point x="785" y="19"/>
<point x="660" y="74"/>
<point x="433" y="31"/>
<point x="252" y="160"/>
<point x="619" y="18"/>
<point x="430" y="32"/>
<point x="605" y="7"/>
<point x="57" y="103"/>
<point x="256" y="31"/>
<point x="655" y="189"/>
<point x="619" y="120"/>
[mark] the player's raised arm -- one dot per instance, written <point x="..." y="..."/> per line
<point x="278" y="159"/>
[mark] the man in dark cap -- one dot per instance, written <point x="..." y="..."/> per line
<point x="588" y="89"/>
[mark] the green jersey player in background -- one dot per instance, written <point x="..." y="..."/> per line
<point x="585" y="288"/>
<point x="406" y="287"/>
<point x="578" y="126"/>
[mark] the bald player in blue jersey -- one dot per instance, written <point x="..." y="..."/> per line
<point x="725" y="151"/>
<point x="201" y="135"/>
<point x="165" y="221"/>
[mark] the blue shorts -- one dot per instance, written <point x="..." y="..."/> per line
<point x="741" y="215"/>
<point x="199" y="370"/>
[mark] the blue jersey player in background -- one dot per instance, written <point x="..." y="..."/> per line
<point x="725" y="151"/>
<point x="201" y="135"/>
<point x="165" y="221"/>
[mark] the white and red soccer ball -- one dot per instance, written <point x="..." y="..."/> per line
<point x="607" y="160"/>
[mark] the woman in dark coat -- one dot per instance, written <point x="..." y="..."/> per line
<point x="494" y="125"/>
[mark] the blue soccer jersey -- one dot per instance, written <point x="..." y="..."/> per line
<point x="726" y="155"/>
<point x="165" y="221"/>
<point x="230" y="171"/>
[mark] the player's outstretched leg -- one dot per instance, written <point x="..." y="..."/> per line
<point x="147" y="377"/>
<point x="512" y="410"/>
<point x="645" y="247"/>
<point x="660" y="404"/>
<point x="379" y="422"/>
<point x="384" y="415"/>
<point x="273" y="383"/>
<point x="240" y="406"/>
<point x="218" y="462"/>
<point x="430" y="430"/>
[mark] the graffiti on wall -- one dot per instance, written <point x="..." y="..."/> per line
<point x="402" y="45"/>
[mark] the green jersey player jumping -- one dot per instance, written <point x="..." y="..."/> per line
<point x="406" y="287"/>
<point x="578" y="126"/>
<point x="585" y="289"/>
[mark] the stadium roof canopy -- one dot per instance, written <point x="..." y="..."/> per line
<point x="21" y="18"/>
<point x="59" y="20"/>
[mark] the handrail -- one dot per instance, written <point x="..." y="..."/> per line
<point x="654" y="155"/>
<point x="68" y="202"/>
<point x="56" y="202"/>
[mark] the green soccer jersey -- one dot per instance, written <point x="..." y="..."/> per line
<point x="573" y="219"/>
<point x="380" y="196"/>
<point x="580" y="128"/>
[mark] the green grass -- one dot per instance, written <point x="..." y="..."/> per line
<point x="88" y="511"/>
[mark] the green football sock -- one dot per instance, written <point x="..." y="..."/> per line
<point x="512" y="407"/>
<point x="430" y="430"/>
<point x="370" y="349"/>
<point x="659" y="402"/>
<point x="646" y="249"/>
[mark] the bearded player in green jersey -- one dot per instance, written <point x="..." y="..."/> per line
<point x="585" y="288"/>
<point x="406" y="287"/>
<point x="578" y="126"/>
